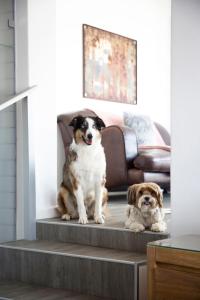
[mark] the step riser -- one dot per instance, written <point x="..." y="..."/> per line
<point x="84" y="275"/>
<point x="100" y="237"/>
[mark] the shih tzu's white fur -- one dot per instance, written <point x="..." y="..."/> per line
<point x="145" y="208"/>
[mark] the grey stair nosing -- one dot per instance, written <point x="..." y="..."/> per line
<point x="78" y="225"/>
<point x="75" y="255"/>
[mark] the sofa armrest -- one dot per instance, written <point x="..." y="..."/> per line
<point x="164" y="133"/>
<point x="120" y="146"/>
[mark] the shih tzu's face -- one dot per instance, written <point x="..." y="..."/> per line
<point x="145" y="196"/>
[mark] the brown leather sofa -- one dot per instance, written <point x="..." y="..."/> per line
<point x="126" y="164"/>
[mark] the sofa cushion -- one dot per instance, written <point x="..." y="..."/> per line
<point x="146" y="131"/>
<point x="153" y="160"/>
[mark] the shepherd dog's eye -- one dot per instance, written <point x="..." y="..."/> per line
<point x="83" y="126"/>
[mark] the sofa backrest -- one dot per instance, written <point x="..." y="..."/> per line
<point x="65" y="135"/>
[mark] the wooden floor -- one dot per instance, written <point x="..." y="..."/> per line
<point x="13" y="290"/>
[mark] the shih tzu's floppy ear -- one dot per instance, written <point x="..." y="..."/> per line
<point x="160" y="197"/>
<point x="131" y="195"/>
<point x="159" y="194"/>
<point x="75" y="121"/>
<point x="99" y="123"/>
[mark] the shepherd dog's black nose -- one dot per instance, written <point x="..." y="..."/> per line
<point x="89" y="136"/>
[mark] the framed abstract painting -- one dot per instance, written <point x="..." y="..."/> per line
<point x="109" y="66"/>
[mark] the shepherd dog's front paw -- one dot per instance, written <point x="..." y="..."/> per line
<point x="83" y="219"/>
<point x="99" y="219"/>
<point x="65" y="217"/>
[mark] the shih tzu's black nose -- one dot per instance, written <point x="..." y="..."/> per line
<point x="146" y="198"/>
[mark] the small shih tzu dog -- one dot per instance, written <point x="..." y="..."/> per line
<point x="145" y="208"/>
<point x="83" y="193"/>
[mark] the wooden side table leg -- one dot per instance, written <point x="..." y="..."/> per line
<point x="151" y="266"/>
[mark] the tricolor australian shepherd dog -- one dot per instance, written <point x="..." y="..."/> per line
<point x="82" y="193"/>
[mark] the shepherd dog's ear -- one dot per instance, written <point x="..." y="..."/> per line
<point x="132" y="193"/>
<point x="76" y="120"/>
<point x="99" y="123"/>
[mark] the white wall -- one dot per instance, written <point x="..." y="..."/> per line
<point x="144" y="20"/>
<point x="35" y="26"/>
<point x="185" y="110"/>
<point x="42" y="56"/>
<point x="147" y="21"/>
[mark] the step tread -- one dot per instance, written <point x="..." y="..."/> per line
<point x="115" y="219"/>
<point x="76" y="250"/>
<point x="18" y="290"/>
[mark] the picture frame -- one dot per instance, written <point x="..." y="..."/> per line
<point x="109" y="66"/>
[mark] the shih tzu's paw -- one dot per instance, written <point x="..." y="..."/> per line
<point x="136" y="227"/>
<point x="158" y="227"/>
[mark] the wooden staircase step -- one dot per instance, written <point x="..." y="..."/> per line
<point x="85" y="269"/>
<point x="70" y="249"/>
<point x="109" y="235"/>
